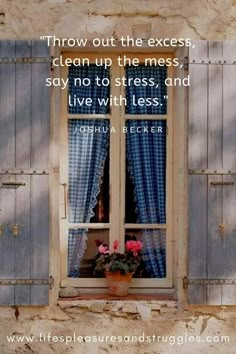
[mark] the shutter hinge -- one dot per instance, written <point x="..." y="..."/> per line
<point x="51" y="282"/>
<point x="25" y="60"/>
<point x="187" y="282"/>
<point x="51" y="64"/>
<point x="186" y="63"/>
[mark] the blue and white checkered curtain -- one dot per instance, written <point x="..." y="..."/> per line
<point x="159" y="90"/>
<point x="93" y="90"/>
<point x="87" y="153"/>
<point x="146" y="154"/>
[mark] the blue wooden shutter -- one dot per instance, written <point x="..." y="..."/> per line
<point x="24" y="158"/>
<point x="212" y="178"/>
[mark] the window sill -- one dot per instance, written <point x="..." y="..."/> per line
<point x="132" y="297"/>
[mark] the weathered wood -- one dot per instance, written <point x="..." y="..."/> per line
<point x="39" y="294"/>
<point x="7" y="107"/>
<point x="7" y="294"/>
<point x="24" y="146"/>
<point x="215" y="108"/>
<point x="198" y="108"/>
<point x="22" y="242"/>
<point x="215" y="161"/>
<point x="218" y="119"/>
<point x="214" y="252"/>
<point x="229" y="239"/>
<point x="23" y="100"/>
<point x="7" y="199"/>
<point x="198" y="113"/>
<point x="22" y="295"/>
<point x="228" y="294"/>
<point x="229" y="107"/>
<point x="40" y="108"/>
<point x="40" y="227"/>
<point x="198" y="236"/>
<point x="7" y="241"/>
<point x="7" y="159"/>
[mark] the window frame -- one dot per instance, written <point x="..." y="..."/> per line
<point x="116" y="225"/>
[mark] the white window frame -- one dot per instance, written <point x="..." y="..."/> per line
<point x="116" y="225"/>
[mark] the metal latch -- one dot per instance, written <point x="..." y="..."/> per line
<point x="187" y="281"/>
<point x="222" y="229"/>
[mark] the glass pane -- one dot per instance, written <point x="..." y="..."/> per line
<point x="88" y="190"/>
<point x="153" y="264"/>
<point x="146" y="92"/>
<point x="83" y="250"/>
<point x="145" y="172"/>
<point x="85" y="84"/>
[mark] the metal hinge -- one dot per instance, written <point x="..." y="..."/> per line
<point x="187" y="281"/>
<point x="49" y="282"/>
<point x="27" y="60"/>
<point x="186" y="63"/>
<point x="30" y="171"/>
<point x="212" y="172"/>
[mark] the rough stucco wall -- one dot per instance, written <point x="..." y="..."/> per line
<point x="211" y="19"/>
<point x="69" y="320"/>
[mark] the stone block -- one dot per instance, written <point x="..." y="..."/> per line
<point x="168" y="310"/>
<point x="105" y="7"/>
<point x="97" y="307"/>
<point x="144" y="311"/>
<point x="109" y="306"/>
<point x="155" y="307"/>
<point x="129" y="308"/>
<point x="69" y="292"/>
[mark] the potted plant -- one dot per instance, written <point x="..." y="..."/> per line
<point x="119" y="267"/>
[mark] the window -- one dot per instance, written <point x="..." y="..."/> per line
<point x="116" y="168"/>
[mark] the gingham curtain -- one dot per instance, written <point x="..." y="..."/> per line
<point x="159" y="74"/>
<point x="93" y="91"/>
<point x="87" y="154"/>
<point x="146" y="153"/>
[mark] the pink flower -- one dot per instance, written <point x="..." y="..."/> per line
<point x="115" y="245"/>
<point x="134" y="246"/>
<point x="103" y="249"/>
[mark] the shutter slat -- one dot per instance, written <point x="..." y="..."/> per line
<point x="198" y="232"/>
<point x="198" y="113"/>
<point x="22" y="242"/>
<point x="229" y="107"/>
<point x="22" y="294"/>
<point x="229" y="239"/>
<point x="7" y="242"/>
<point x="23" y="104"/>
<point x="39" y="227"/>
<point x="198" y="184"/>
<point x="7" y="107"/>
<point x="214" y="247"/>
<point x="215" y="160"/>
<point x="40" y="108"/>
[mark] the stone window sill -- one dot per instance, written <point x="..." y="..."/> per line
<point x="134" y="297"/>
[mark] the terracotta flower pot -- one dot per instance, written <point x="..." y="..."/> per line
<point x="118" y="284"/>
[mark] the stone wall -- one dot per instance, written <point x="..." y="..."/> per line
<point x="205" y="19"/>
<point x="141" y="310"/>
